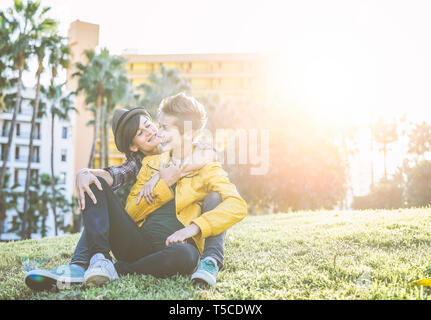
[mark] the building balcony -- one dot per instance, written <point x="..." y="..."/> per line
<point x="137" y="74"/>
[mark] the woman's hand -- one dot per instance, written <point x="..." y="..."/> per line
<point x="148" y="190"/>
<point x="172" y="173"/>
<point x="181" y="235"/>
<point x="84" y="179"/>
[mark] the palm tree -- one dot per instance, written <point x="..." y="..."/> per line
<point x="166" y="83"/>
<point x="61" y="105"/>
<point x="18" y="21"/>
<point x="420" y="140"/>
<point x="40" y="48"/>
<point x="118" y="92"/>
<point x="26" y="23"/>
<point x="93" y="78"/>
<point x="8" y="201"/>
<point x="385" y="133"/>
<point x="23" y="21"/>
<point x="6" y="80"/>
<point x="44" y="196"/>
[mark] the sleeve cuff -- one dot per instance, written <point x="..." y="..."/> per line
<point x="114" y="177"/>
<point x="204" y="226"/>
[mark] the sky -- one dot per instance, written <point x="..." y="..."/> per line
<point x="349" y="59"/>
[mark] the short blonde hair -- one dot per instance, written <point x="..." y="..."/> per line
<point x="185" y="108"/>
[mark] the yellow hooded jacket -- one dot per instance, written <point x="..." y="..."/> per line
<point x="189" y="193"/>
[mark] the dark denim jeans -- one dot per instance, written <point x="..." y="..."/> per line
<point x="108" y="227"/>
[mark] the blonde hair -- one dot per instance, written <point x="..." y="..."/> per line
<point x="185" y="108"/>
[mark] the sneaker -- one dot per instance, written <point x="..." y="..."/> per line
<point x="206" y="271"/>
<point x="60" y="277"/>
<point x="100" y="271"/>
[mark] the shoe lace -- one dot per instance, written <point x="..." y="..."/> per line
<point x="101" y="263"/>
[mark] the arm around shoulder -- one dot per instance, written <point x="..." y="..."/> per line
<point x="162" y="194"/>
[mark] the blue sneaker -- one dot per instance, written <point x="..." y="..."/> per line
<point x="206" y="271"/>
<point x="60" y="277"/>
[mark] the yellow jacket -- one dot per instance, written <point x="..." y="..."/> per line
<point x="189" y="192"/>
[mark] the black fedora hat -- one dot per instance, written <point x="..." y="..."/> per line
<point x="119" y="120"/>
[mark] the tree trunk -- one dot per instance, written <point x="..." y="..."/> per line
<point x="44" y="216"/>
<point x="93" y="147"/>
<point x="27" y="231"/>
<point x="12" y="126"/>
<point x="384" y="161"/>
<point x="372" y="162"/>
<point x="105" y="126"/>
<point x="100" y="136"/>
<point x="102" y="148"/>
<point x="53" y="200"/>
<point x="96" y="130"/>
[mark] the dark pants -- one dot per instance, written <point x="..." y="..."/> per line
<point x="108" y="227"/>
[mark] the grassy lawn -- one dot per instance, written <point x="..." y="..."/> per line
<point x="305" y="255"/>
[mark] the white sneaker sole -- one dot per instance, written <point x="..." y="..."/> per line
<point x="205" y="277"/>
<point x="97" y="278"/>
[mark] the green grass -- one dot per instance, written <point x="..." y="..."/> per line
<point x="305" y="255"/>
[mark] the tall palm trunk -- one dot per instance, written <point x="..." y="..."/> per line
<point x="105" y="127"/>
<point x="26" y="231"/>
<point x="12" y="124"/>
<point x="384" y="160"/>
<point x="53" y="199"/>
<point x="102" y="137"/>
<point x="96" y="129"/>
<point x="372" y="161"/>
<point x="93" y="145"/>
<point x="44" y="216"/>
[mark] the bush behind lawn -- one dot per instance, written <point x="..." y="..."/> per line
<point x="304" y="255"/>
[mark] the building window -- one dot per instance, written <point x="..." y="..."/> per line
<point x="63" y="155"/>
<point x="36" y="157"/>
<point x="64" y="133"/>
<point x="34" y="174"/>
<point x="5" y="128"/>
<point x="25" y="107"/>
<point x="19" y="176"/>
<point x="62" y="178"/>
<point x="3" y="151"/>
<point x="37" y="133"/>
<point x="21" y="153"/>
<point x="23" y="130"/>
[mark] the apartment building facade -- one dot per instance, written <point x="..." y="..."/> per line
<point x="18" y="156"/>
<point x="237" y="77"/>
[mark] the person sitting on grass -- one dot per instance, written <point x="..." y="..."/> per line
<point x="136" y="136"/>
<point x="174" y="219"/>
<point x="136" y="139"/>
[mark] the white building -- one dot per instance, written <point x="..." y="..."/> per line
<point x="18" y="156"/>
